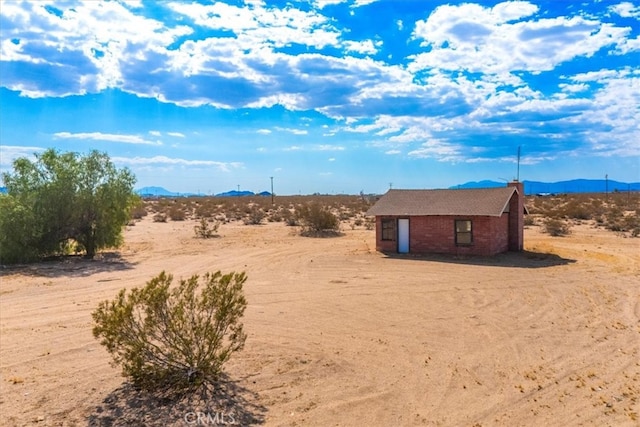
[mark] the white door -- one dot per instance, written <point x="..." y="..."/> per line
<point x="403" y="236"/>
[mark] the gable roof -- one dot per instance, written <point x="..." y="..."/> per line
<point x="463" y="202"/>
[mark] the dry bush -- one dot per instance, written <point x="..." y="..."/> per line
<point x="174" y="338"/>
<point x="556" y="227"/>
<point x="576" y="209"/>
<point x="138" y="211"/>
<point x="206" y="229"/>
<point x="177" y="213"/>
<point x="317" y="220"/>
<point x="370" y="223"/>
<point x="254" y="216"/>
<point x="160" y="217"/>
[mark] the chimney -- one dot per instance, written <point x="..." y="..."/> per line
<point x="516" y="217"/>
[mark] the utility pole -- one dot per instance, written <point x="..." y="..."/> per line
<point x="606" y="186"/>
<point x="272" y="191"/>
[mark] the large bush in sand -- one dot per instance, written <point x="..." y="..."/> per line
<point x="317" y="220"/>
<point x="174" y="338"/>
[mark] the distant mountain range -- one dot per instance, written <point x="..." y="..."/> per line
<point x="162" y="192"/>
<point x="530" y="187"/>
<point x="572" y="186"/>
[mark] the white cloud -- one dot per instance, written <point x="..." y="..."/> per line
<point x="163" y="160"/>
<point x="263" y="131"/>
<point x="440" y="150"/>
<point x="257" y="25"/>
<point x="133" y="4"/>
<point x="155" y="133"/>
<point x="329" y="148"/>
<point x="613" y="116"/>
<point x="84" y="49"/>
<point x="321" y="4"/>
<point x="497" y="40"/>
<point x="8" y="153"/>
<point x="365" y="47"/>
<point x="628" y="45"/>
<point x="626" y="10"/>
<point x="292" y="130"/>
<point x="176" y="134"/>
<point x="360" y="3"/>
<point x="574" y="88"/>
<point x="112" y="137"/>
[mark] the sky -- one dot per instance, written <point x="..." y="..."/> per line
<point x="326" y="96"/>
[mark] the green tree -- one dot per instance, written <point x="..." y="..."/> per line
<point x="62" y="197"/>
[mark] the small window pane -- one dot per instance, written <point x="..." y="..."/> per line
<point x="388" y="229"/>
<point x="464" y="232"/>
<point x="463" y="226"/>
<point x="464" y="238"/>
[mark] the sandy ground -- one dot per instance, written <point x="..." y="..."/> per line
<point x="340" y="335"/>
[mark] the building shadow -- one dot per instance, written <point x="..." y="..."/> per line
<point x="523" y="259"/>
<point x="228" y="404"/>
<point x="70" y="266"/>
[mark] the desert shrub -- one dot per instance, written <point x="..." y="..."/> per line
<point x="174" y="338"/>
<point x="556" y="227"/>
<point x="274" y="216"/>
<point x="577" y="210"/>
<point x="176" y="213"/>
<point x="205" y="210"/>
<point x="529" y="220"/>
<point x="160" y="217"/>
<point x="138" y="211"/>
<point x="206" y="229"/>
<point x="370" y="223"/>
<point x="345" y="215"/>
<point x="316" y="219"/>
<point x="289" y="218"/>
<point x="622" y="223"/>
<point x="254" y="216"/>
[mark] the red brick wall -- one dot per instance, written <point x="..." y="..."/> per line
<point x="436" y="234"/>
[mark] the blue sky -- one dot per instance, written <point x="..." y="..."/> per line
<point x="326" y="96"/>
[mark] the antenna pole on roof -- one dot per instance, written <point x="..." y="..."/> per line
<point x="518" y="173"/>
<point x="271" y="190"/>
<point x="390" y="185"/>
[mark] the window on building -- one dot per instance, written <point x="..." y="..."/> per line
<point x="464" y="235"/>
<point x="388" y="229"/>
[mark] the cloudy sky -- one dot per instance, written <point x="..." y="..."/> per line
<point x="326" y="95"/>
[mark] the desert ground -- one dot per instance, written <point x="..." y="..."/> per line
<point x="341" y="335"/>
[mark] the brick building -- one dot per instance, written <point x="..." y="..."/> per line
<point x="484" y="221"/>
